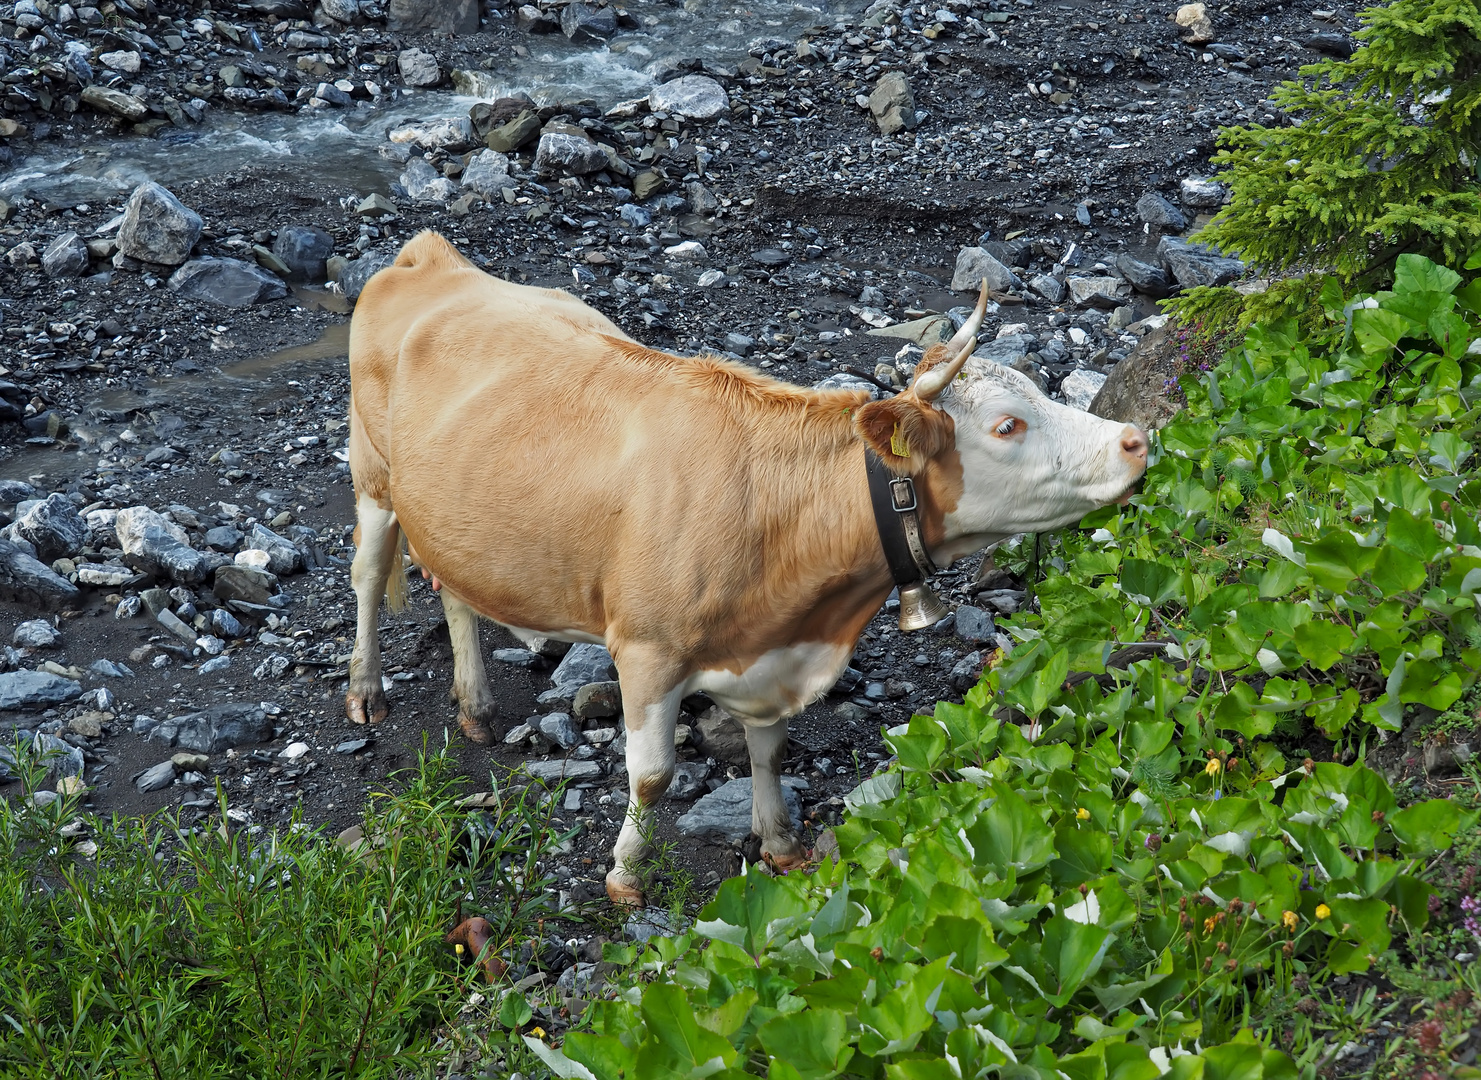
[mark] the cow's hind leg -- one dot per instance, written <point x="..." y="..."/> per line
<point x="377" y="554"/>
<point x="650" y="708"/>
<point x="770" y="820"/>
<point x="476" y="706"/>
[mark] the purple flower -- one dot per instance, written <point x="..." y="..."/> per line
<point x="1471" y="906"/>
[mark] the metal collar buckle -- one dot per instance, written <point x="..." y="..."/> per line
<point x="902" y="494"/>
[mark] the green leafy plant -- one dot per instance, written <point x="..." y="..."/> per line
<point x="1383" y="157"/>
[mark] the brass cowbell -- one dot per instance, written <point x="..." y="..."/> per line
<point x="920" y="607"/>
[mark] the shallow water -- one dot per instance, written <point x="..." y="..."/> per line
<point x="343" y="145"/>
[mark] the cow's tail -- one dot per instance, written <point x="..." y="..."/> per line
<point x="396" y="589"/>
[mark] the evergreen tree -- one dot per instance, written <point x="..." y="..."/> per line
<point x="1381" y="159"/>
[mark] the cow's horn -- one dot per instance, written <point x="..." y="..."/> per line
<point x="970" y="326"/>
<point x="931" y="383"/>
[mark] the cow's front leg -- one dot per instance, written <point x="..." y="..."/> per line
<point x="767" y="742"/>
<point x="650" y="707"/>
<point x="476" y="706"/>
<point x="377" y="551"/>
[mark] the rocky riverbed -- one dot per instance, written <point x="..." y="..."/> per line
<point x="191" y="198"/>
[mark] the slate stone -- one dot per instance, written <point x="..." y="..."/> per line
<point x="966" y="672"/>
<point x="114" y="102"/>
<point x="1080" y="387"/>
<point x="53" y="527"/>
<point x="1202" y="193"/>
<point x="110" y="669"/>
<point x="418" y="67"/>
<point x="585" y="663"/>
<point x="157" y="227"/>
<point x="16" y="491"/>
<point x="892" y="104"/>
<point x="1194" y="264"/>
<point x="598" y="700"/>
<point x="1050" y="288"/>
<point x="357" y="273"/>
<point x="283" y="556"/>
<point x="688" y="781"/>
<point x="156" y="545"/>
<point x="514" y="133"/>
<point x="25" y="579"/>
<point x="223" y="538"/>
<point x="1101" y="292"/>
<point x="973" y="625"/>
<point x="487" y="173"/>
<point x="226" y="624"/>
<point x="1157" y="212"/>
<point x="60" y="757"/>
<point x="216" y="729"/>
<point x="65" y="257"/>
<point x="226" y="282"/>
<point x="975" y="265"/>
<point x="559" y="152"/>
<point x="304" y="249"/>
<point x="553" y="771"/>
<point x="440" y="16"/>
<point x="156" y="778"/>
<point x="244" y="584"/>
<point x="1146" y="278"/>
<point x="585" y="25"/>
<point x="724" y="815"/>
<point x="560" y="729"/>
<point x="36" y="690"/>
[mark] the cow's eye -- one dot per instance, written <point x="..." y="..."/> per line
<point x="1007" y="427"/>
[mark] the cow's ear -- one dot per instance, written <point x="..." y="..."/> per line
<point x="905" y="433"/>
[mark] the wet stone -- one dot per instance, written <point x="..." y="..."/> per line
<point x="586" y="25"/>
<point x="696" y="96"/>
<point x="303" y="249"/>
<point x="53" y="527"/>
<point x="226" y="282"/>
<point x="157" y="227"/>
<point x="36" y="690"/>
<point x="64" y="257"/>
<point x="418" y="68"/>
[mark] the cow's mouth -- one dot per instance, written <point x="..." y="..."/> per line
<point x="1136" y="486"/>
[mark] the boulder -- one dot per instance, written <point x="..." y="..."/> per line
<point x="698" y="97"/>
<point x="36" y="634"/>
<point x="53" y="527"/>
<point x="585" y="663"/>
<point x="512" y="134"/>
<point x="724" y="815"/>
<point x="974" y="265"/>
<point x="30" y="690"/>
<point x="303" y="249"/>
<point x="556" y="771"/>
<point x="418" y="68"/>
<point x="973" y="625"/>
<point x="65" y="257"/>
<point x="586" y="25"/>
<point x="688" y="781"/>
<point x="218" y="728"/>
<point x="892" y="104"/>
<point x="226" y="282"/>
<point x="722" y="736"/>
<point x="1201" y="193"/>
<point x="1080" y="387"/>
<point x="424" y="183"/>
<point x="1050" y="288"/>
<point x="155" y="545"/>
<point x="1146" y="278"/>
<point x="114" y="102"/>
<point x="487" y="174"/>
<point x="157" y="227"/>
<point x="449" y="133"/>
<point x="354" y="276"/>
<point x="439" y="16"/>
<point x="1194" y="264"/>
<point x="1143" y="388"/>
<point x="27" y="580"/>
<point x="560" y="729"/>
<point x="1196" y="26"/>
<point x="346" y="12"/>
<point x="1162" y="215"/>
<point x="559" y="152"/>
<point x="487" y="115"/>
<point x="1100" y="292"/>
<point x="598" y="700"/>
<point x="242" y="583"/>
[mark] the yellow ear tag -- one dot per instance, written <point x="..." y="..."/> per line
<point x="898" y="446"/>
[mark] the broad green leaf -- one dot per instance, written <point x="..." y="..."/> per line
<point x="605" y="1056"/>
<point x="1323" y="643"/>
<point x="814" y="1041"/>
<point x="1379" y="331"/>
<point x="514" y="1010"/>
<point x="1429" y="826"/>
<point x="1415" y="273"/>
<point x="1010" y="834"/>
<point x="670" y="1020"/>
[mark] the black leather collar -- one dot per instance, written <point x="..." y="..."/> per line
<point x="898" y="521"/>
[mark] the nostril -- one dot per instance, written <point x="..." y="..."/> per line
<point x="1134" y="442"/>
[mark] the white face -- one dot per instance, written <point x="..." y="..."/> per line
<point x="1030" y="464"/>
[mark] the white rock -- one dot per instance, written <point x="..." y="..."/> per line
<point x="428" y="134"/>
<point x="123" y="60"/>
<point x="695" y="96"/>
<point x="293" y="751"/>
<point x="253" y="558"/>
<point x="690" y="250"/>
<point x="1080" y="387"/>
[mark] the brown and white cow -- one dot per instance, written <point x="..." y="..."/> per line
<point x="711" y="526"/>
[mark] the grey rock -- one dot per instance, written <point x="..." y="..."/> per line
<point x="1146" y="278"/>
<point x="1100" y="292"/>
<point x="357" y="273"/>
<point x="223" y="538"/>
<point x="698" y="97"/>
<point x="217" y="728"/>
<point x="226" y="624"/>
<point x="585" y="25"/>
<point x="36" y="634"/>
<point x="65" y="257"/>
<point x="598" y="700"/>
<point x="688" y="781"/>
<point x="303" y="249"/>
<point x="157" y="227"/>
<point x="351" y="746"/>
<point x="552" y="771"/>
<point x="36" y="690"/>
<point x="1143" y="388"/>
<point x="559" y="152"/>
<point x="701" y="199"/>
<point x="967" y="671"/>
<point x="155" y="545"/>
<point x="1201" y="193"/>
<point x="722" y="736"/>
<point x="60" y="757"/>
<point x="560" y="729"/>
<point x="53" y="527"/>
<point x="227" y="282"/>
<point x="418" y="68"/>
<point x="244" y="584"/>
<point x="579" y="980"/>
<point x="1194" y="264"/>
<point x="1157" y="212"/>
<point x="283" y="557"/>
<point x="424" y="183"/>
<point x="110" y="669"/>
<point x="342" y="11"/>
<point x="585" y="663"/>
<point x="333" y="95"/>
<point x="517" y="657"/>
<point x="16" y="491"/>
<point x="487" y="173"/>
<point x="1338" y="45"/>
<point x="651" y="922"/>
<point x="973" y="625"/>
<point x="724" y="815"/>
<point x="156" y="778"/>
<point x="892" y="104"/>
<point x="1050" y="288"/>
<point x="114" y="102"/>
<point x="441" y="16"/>
<point x="519" y="733"/>
<point x="1080" y="387"/>
<point x="975" y="265"/>
<point x="215" y="664"/>
<point x="740" y="344"/>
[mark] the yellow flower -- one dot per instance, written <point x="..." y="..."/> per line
<point x="1289" y="919"/>
<point x="538" y="1032"/>
<point x="1083" y="814"/>
<point x="1322" y="911"/>
<point x="458" y="948"/>
<point x="1213" y="767"/>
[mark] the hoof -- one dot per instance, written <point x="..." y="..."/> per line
<point x="623" y="894"/>
<point x="787" y="862"/>
<point x="368" y="708"/>
<point x="476" y="731"/>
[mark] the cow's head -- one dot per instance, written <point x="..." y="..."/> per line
<point x="1026" y="463"/>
